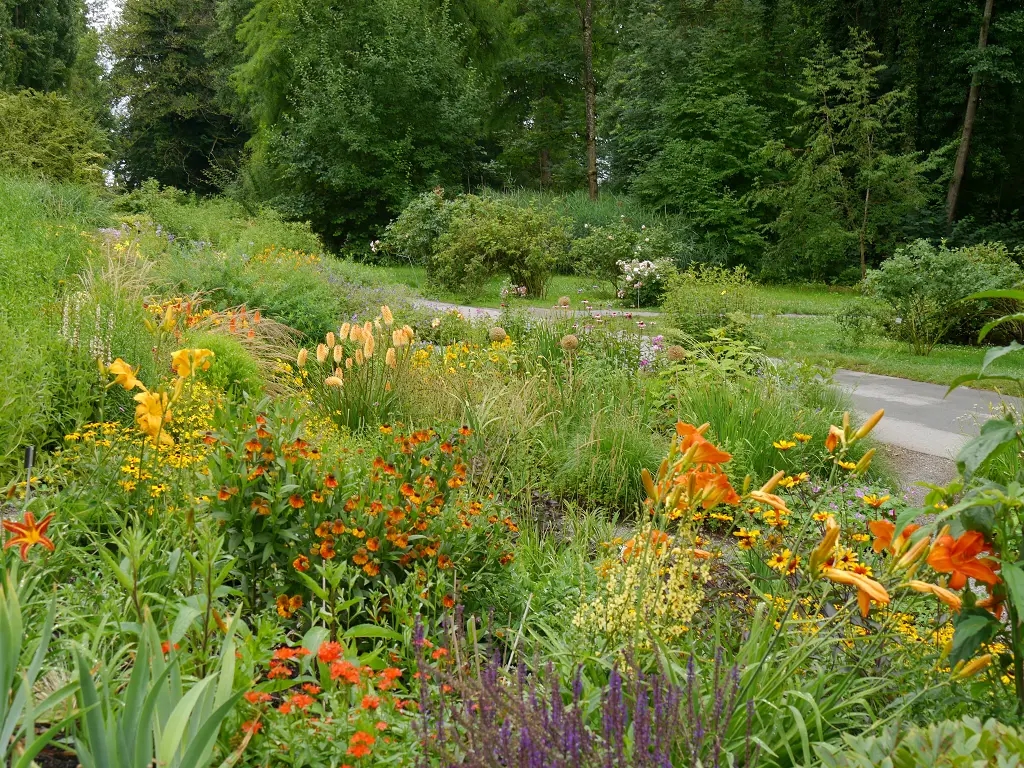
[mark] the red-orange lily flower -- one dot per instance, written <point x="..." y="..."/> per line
<point x="28" y="533"/>
<point x="959" y="558"/>
<point x="884" y="530"/>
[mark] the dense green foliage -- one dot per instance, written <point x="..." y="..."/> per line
<point x="44" y="134"/>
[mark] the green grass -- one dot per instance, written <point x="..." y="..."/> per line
<point x="818" y="340"/>
<point x="810" y="299"/>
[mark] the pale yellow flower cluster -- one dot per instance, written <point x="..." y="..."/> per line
<point x="652" y="589"/>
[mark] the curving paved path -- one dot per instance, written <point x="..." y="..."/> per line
<point x="919" y="417"/>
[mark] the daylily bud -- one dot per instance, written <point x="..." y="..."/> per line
<point x="864" y="463"/>
<point x="870" y="424"/>
<point x="974" y="666"/>
<point x="824" y="550"/>
<point x="913" y="553"/>
<point x="648" y="481"/>
<point x="773" y="482"/>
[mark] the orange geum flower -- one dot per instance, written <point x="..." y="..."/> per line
<point x="301" y="700"/>
<point x="28" y="533"/>
<point x="959" y="558"/>
<point x="370" y="702"/>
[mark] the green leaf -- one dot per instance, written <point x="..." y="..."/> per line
<point x="186" y="615"/>
<point x="1001" y="293"/>
<point x="1013" y="576"/>
<point x="370" y="630"/>
<point x="995" y="353"/>
<point x="96" y="735"/>
<point x="980" y="518"/>
<point x="974" y="626"/>
<point x="197" y="755"/>
<point x="174" y="729"/>
<point x="995" y="433"/>
<point x="1014" y="318"/>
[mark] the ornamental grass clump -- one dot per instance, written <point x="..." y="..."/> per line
<point x="353" y="377"/>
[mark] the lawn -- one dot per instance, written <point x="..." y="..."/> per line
<point x="822" y="340"/>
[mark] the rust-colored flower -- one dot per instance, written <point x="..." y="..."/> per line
<point x="373" y="544"/>
<point x="448" y="601"/>
<point x="329" y="652"/>
<point x="28" y="533"/>
<point x="330" y="482"/>
<point x="327" y="551"/>
<point x="371" y="569"/>
<point x="959" y="558"/>
<point x="360" y="743"/>
<point x="301" y="563"/>
<point x="345" y="670"/>
<point x="295" y="501"/>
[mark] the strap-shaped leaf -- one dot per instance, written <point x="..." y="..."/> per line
<point x="174" y="729"/>
<point x="999" y="293"/>
<point x="1014" y="318"/>
<point x="96" y="735"/>
<point x="198" y="753"/>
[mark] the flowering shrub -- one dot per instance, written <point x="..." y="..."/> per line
<point x="645" y="281"/>
<point x="315" y="708"/>
<point x="353" y="377"/>
<point x="287" y="514"/>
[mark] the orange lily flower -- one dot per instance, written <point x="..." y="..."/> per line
<point x="993" y="604"/>
<point x="835" y="435"/>
<point x="28" y="532"/>
<point x="711" y="488"/>
<point x="884" y="530"/>
<point x="706" y="452"/>
<point x="959" y="557"/>
<point x="868" y="590"/>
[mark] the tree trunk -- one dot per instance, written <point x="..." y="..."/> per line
<point x="968" y="129"/>
<point x="590" y="95"/>
<point x="864" y="234"/>
<point x="545" y="168"/>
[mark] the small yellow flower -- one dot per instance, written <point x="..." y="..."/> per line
<point x="875" y="501"/>
<point x="847" y="464"/>
<point x="801" y="437"/>
<point x="784" y="445"/>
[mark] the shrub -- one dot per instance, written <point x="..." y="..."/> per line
<point x="488" y="237"/>
<point x="703" y="298"/>
<point x="645" y="281"/>
<point x="234" y="370"/>
<point x="925" y="287"/>
<point x="954" y="743"/>
<point x="44" y="134"/>
<point x="219" y="221"/>
<point x="412" y="236"/>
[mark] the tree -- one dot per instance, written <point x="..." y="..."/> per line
<point x="845" y="185"/>
<point x="586" y="9"/>
<point x="38" y="42"/>
<point x="358" y="108"/>
<point x="972" y="109"/>
<point x="174" y="125"/>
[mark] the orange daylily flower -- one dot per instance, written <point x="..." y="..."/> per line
<point x="959" y="557"/>
<point x="883" y="531"/>
<point x="868" y="590"/>
<point x="706" y="453"/>
<point x="835" y="435"/>
<point x="28" y="532"/>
